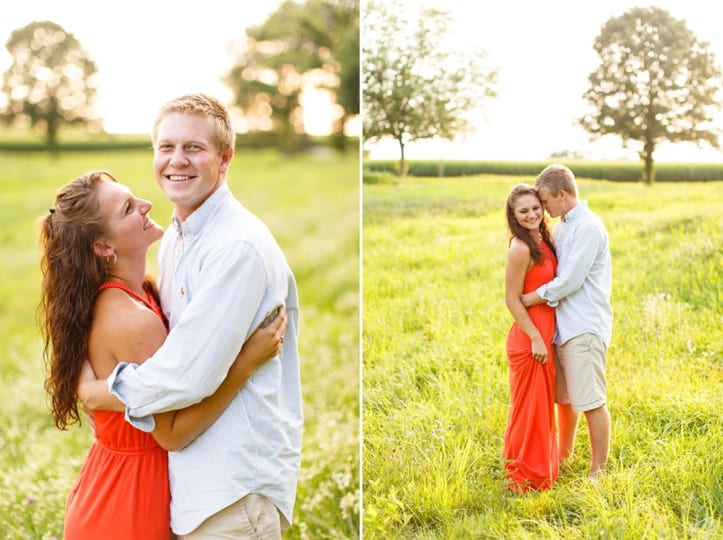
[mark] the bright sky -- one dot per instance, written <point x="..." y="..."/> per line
<point x="544" y="52"/>
<point x="147" y="51"/>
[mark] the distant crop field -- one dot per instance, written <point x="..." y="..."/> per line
<point x="311" y="204"/>
<point x="620" y="171"/>
<point x="435" y="387"/>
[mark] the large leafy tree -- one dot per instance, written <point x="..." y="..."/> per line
<point x="656" y="82"/>
<point x="415" y="87"/>
<point x="299" y="45"/>
<point x="50" y="81"/>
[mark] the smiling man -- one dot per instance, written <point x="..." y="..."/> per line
<point x="221" y="274"/>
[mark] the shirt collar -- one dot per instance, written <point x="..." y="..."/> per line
<point x="571" y="214"/>
<point x="198" y="218"/>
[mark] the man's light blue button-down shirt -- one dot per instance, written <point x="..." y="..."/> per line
<point x="222" y="272"/>
<point x="581" y="291"/>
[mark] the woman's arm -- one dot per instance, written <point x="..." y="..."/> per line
<point x="176" y="429"/>
<point x="518" y="262"/>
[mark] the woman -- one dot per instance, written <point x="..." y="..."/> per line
<point x="98" y="303"/>
<point x="530" y="445"/>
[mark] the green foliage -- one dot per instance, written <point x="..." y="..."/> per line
<point x="436" y="392"/>
<point x="414" y="87"/>
<point x="312" y="207"/>
<point x="315" y="42"/>
<point x="656" y="82"/>
<point x="614" y="171"/>
<point x="50" y="82"/>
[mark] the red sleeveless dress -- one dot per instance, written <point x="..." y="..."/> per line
<point x="122" y="490"/>
<point x="530" y="444"/>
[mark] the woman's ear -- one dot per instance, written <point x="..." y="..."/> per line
<point x="101" y="249"/>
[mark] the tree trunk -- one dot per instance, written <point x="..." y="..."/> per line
<point x="51" y="137"/>
<point x="338" y="135"/>
<point x="649" y="168"/>
<point x="402" y="161"/>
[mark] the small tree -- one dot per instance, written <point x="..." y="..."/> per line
<point x="656" y="82"/>
<point x="414" y="87"/>
<point x="50" y="82"/>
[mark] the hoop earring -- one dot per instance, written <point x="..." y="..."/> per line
<point x="115" y="259"/>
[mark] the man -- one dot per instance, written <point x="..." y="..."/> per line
<point x="581" y="295"/>
<point x="221" y="275"/>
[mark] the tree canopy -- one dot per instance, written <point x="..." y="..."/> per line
<point x="299" y="45"/>
<point x="414" y="86"/>
<point x="656" y="82"/>
<point x="50" y="81"/>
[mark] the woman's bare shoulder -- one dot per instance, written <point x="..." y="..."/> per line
<point x="123" y="329"/>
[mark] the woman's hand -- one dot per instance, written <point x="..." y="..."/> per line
<point x="263" y="344"/>
<point x="539" y="349"/>
<point x="85" y="381"/>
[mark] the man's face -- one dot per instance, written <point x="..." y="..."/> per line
<point x="186" y="162"/>
<point x="553" y="205"/>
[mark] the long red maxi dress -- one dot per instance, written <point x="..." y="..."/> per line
<point x="530" y="445"/>
<point x="122" y="490"/>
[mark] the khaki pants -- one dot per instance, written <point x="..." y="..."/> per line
<point x="254" y="517"/>
<point x="580" y="379"/>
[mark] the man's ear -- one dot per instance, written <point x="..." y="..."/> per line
<point x="101" y="249"/>
<point x="226" y="160"/>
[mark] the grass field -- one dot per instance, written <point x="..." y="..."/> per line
<point x="312" y="206"/>
<point x="435" y="390"/>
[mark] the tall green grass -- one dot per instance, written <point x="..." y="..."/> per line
<point x="312" y="207"/>
<point x="435" y="389"/>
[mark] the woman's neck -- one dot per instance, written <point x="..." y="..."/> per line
<point x="130" y="273"/>
<point x="536" y="235"/>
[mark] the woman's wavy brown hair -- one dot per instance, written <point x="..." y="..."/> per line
<point x="72" y="274"/>
<point x="518" y="230"/>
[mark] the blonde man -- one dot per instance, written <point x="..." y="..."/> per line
<point x="581" y="295"/>
<point x="222" y="274"/>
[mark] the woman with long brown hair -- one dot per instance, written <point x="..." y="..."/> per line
<point x="530" y="442"/>
<point x="97" y="303"/>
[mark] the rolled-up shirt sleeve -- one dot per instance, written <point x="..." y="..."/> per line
<point x="201" y="347"/>
<point x="580" y="256"/>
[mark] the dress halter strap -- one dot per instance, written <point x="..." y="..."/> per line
<point x="149" y="301"/>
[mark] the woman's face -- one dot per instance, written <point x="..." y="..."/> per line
<point x="528" y="211"/>
<point x="130" y="229"/>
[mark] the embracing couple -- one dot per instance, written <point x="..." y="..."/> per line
<point x="557" y="287"/>
<point x="193" y="386"/>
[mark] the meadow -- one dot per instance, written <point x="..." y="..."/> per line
<point x="435" y="388"/>
<point x="311" y="204"/>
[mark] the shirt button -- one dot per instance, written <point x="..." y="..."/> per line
<point x="183" y="292"/>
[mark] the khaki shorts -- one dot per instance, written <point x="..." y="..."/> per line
<point x="580" y="379"/>
<point x="251" y="517"/>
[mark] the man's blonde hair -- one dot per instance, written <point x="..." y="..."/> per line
<point x="556" y="178"/>
<point x="203" y="105"/>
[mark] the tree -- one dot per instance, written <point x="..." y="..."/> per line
<point x="50" y="82"/>
<point x="299" y="45"/>
<point x="415" y="87"/>
<point x="656" y="82"/>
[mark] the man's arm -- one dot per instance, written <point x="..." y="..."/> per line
<point x="196" y="356"/>
<point x="176" y="429"/>
<point x="579" y="260"/>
